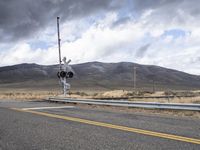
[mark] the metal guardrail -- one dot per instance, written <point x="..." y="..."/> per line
<point x="125" y="103"/>
<point x="147" y="97"/>
<point x="169" y="96"/>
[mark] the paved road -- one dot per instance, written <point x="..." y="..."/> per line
<point x="50" y="126"/>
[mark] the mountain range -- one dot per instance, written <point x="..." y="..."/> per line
<point x="97" y="76"/>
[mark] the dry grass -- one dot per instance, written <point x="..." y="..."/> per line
<point x="37" y="95"/>
<point x="170" y="100"/>
<point x="179" y="96"/>
<point x="26" y="95"/>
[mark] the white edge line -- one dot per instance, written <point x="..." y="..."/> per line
<point x="38" y="108"/>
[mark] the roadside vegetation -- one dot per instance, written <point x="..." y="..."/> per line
<point x="146" y="96"/>
<point x="26" y="95"/>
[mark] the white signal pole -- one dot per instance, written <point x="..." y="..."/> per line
<point x="63" y="81"/>
<point x="65" y="71"/>
<point x="59" y="42"/>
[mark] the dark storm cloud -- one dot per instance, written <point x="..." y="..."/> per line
<point x="168" y="6"/>
<point x="176" y="12"/>
<point x="142" y="50"/>
<point x="141" y="5"/>
<point x="22" y="18"/>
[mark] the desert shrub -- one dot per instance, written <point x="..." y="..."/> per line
<point x="179" y="93"/>
<point x="169" y="93"/>
<point x="95" y="94"/>
<point x="77" y="93"/>
<point x="186" y="93"/>
<point x="70" y="93"/>
<point x="142" y="93"/>
<point x="81" y="93"/>
<point x="9" y="94"/>
<point x="131" y="94"/>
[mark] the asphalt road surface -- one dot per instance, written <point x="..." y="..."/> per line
<point x="51" y="126"/>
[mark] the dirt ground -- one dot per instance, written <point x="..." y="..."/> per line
<point x="159" y="96"/>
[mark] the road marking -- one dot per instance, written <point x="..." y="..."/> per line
<point x="123" y="128"/>
<point x="38" y="108"/>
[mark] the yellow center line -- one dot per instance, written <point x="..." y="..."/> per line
<point x="123" y="128"/>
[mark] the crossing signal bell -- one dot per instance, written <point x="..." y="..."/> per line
<point x="66" y="70"/>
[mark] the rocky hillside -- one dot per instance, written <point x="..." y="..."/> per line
<point x="97" y="75"/>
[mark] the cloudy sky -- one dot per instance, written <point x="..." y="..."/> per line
<point x="156" y="32"/>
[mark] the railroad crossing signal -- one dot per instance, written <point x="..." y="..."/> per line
<point x="65" y="71"/>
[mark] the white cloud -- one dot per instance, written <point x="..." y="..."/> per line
<point x="20" y="53"/>
<point x="84" y="40"/>
<point x="96" y="43"/>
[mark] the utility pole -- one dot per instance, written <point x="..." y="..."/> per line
<point x="59" y="42"/>
<point x="152" y="78"/>
<point x="134" y="77"/>
<point x="154" y="86"/>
